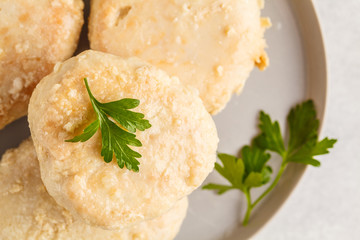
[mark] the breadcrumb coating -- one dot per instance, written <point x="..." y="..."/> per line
<point x="29" y="212"/>
<point x="34" y="35"/>
<point x="211" y="45"/>
<point x="178" y="151"/>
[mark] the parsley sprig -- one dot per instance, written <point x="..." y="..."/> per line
<point x="251" y="169"/>
<point x="116" y="139"/>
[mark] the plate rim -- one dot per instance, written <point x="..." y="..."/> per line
<point x="315" y="68"/>
<point x="273" y="203"/>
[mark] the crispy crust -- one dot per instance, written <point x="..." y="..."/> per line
<point x="29" y="212"/>
<point x="34" y="35"/>
<point x="211" y="45"/>
<point x="178" y="151"/>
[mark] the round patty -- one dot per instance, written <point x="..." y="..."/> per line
<point x="29" y="212"/>
<point x="178" y="151"/>
<point x="211" y="45"/>
<point x="34" y="35"/>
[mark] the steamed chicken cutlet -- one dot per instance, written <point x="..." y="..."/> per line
<point x="29" y="212"/>
<point x="178" y="151"/>
<point x="211" y="45"/>
<point x="34" y="35"/>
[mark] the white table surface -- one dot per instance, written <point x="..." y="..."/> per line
<point x="326" y="203"/>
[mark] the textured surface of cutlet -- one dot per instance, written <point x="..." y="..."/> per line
<point x="34" y="36"/>
<point x="178" y="151"/>
<point x="29" y="212"/>
<point x="211" y="45"/>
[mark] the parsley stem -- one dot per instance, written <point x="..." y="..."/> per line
<point x="271" y="187"/>
<point x="249" y="207"/>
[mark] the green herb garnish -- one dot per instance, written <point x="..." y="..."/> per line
<point x="251" y="170"/>
<point x="115" y="139"/>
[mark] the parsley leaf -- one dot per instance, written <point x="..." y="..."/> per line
<point x="270" y="137"/>
<point x="115" y="139"/>
<point x="303" y="143"/>
<point x="303" y="125"/>
<point x="254" y="159"/>
<point x="251" y="170"/>
<point x="232" y="170"/>
<point x="89" y="131"/>
<point x="242" y="173"/>
<point x="323" y="146"/>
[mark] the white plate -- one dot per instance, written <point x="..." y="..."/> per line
<point x="297" y="72"/>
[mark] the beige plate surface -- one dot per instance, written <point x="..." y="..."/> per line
<point x="297" y="72"/>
